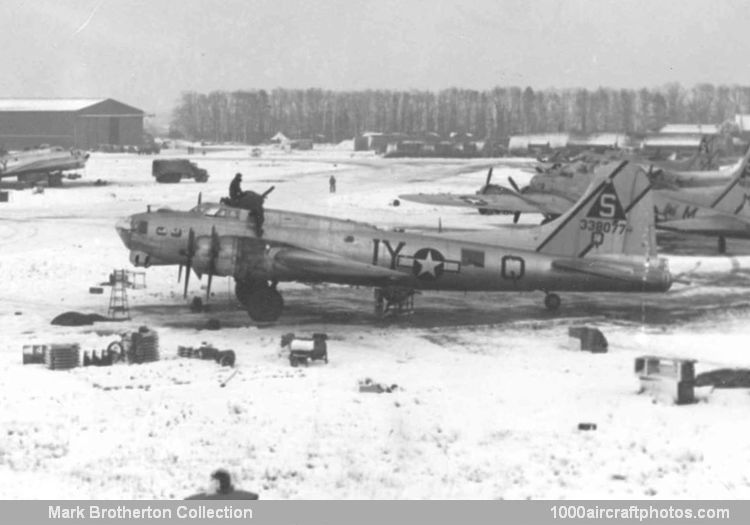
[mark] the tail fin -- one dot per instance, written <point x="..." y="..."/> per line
<point x="614" y="216"/>
<point x="734" y="196"/>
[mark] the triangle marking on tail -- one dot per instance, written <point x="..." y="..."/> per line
<point x="608" y="205"/>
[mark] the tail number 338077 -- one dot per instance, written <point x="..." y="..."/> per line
<point x="599" y="226"/>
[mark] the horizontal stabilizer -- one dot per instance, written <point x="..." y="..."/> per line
<point x="600" y="269"/>
<point x="654" y="276"/>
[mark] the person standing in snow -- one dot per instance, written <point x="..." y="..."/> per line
<point x="222" y="488"/>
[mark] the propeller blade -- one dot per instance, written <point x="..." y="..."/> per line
<point x="514" y="185"/>
<point x="212" y="260"/>
<point x="516" y="216"/>
<point x="200" y="197"/>
<point x="189" y="259"/>
<point x="269" y="190"/>
<point x="179" y="273"/>
<point x="487" y="182"/>
<point x="187" y="281"/>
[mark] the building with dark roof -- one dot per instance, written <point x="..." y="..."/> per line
<point x="71" y="123"/>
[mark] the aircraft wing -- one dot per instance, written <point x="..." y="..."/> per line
<point x="718" y="224"/>
<point x="510" y="202"/>
<point x="316" y="265"/>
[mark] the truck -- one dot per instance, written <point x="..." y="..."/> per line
<point x="174" y="170"/>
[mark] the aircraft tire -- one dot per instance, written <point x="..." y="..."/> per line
<point x="552" y="301"/>
<point x="226" y="358"/>
<point x="243" y="290"/>
<point x="265" y="305"/>
<point x="116" y="348"/>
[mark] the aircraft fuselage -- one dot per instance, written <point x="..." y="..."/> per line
<point x="428" y="262"/>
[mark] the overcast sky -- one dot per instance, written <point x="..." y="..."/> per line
<point x="145" y="52"/>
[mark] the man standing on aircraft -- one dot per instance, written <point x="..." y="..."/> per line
<point x="248" y="200"/>
<point x="235" y="187"/>
<point x="254" y="203"/>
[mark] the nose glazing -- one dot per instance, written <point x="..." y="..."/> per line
<point x="124" y="230"/>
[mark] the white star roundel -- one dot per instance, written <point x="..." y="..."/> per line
<point x="429" y="264"/>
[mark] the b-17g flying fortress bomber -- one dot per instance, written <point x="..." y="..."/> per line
<point x="605" y="242"/>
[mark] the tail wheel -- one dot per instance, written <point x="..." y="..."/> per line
<point x="552" y="301"/>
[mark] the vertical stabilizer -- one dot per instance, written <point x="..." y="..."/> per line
<point x="735" y="195"/>
<point x="614" y="216"/>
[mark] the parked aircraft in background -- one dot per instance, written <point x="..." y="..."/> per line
<point x="722" y="213"/>
<point x="41" y="165"/>
<point x="603" y="243"/>
<point x="556" y="185"/>
<point x="703" y="159"/>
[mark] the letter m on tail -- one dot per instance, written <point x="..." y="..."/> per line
<point x="613" y="217"/>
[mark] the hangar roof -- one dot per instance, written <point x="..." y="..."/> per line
<point x="47" y="104"/>
<point x="690" y="129"/>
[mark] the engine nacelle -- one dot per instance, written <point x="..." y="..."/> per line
<point x="233" y="256"/>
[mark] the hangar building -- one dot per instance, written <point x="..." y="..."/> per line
<point x="75" y="122"/>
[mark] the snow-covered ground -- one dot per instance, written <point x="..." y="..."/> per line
<point x="490" y="387"/>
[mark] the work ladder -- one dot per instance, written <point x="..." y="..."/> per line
<point x="118" y="299"/>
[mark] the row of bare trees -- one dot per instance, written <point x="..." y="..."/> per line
<point x="255" y="116"/>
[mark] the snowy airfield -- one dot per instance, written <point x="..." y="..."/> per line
<point x="490" y="387"/>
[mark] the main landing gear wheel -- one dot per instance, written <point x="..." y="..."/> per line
<point x="265" y="305"/>
<point x="552" y="301"/>
<point x="263" y="302"/>
<point x="243" y="290"/>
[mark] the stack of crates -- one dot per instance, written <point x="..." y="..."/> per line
<point x="62" y="356"/>
<point x="144" y="346"/>
<point x="34" y="354"/>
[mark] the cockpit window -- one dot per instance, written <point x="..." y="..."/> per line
<point x="142" y="227"/>
<point x="232" y="214"/>
<point x="209" y="210"/>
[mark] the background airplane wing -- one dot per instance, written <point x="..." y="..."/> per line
<point x="315" y="265"/>
<point x="510" y="202"/>
<point x="726" y="225"/>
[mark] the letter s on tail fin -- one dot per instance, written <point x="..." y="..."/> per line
<point x="614" y="216"/>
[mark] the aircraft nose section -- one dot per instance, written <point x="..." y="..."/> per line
<point x="124" y="230"/>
